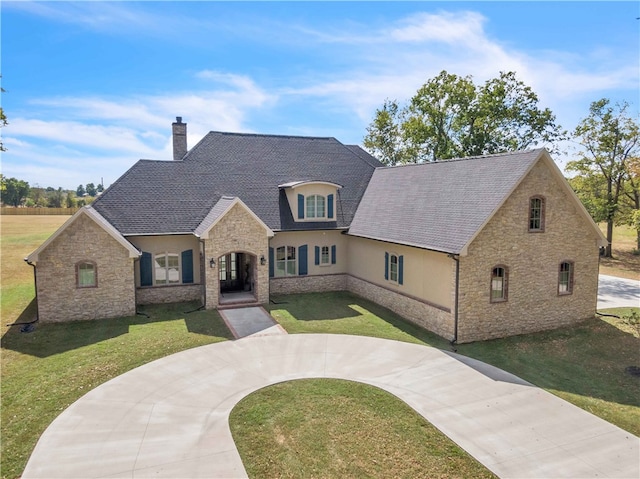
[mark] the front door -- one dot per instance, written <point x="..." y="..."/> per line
<point x="230" y="272"/>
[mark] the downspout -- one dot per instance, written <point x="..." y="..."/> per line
<point x="35" y="284"/>
<point x="456" y="258"/>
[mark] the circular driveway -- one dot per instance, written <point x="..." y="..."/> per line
<point x="169" y="418"/>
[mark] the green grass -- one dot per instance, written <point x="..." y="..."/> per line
<point x="346" y="313"/>
<point x="326" y="428"/>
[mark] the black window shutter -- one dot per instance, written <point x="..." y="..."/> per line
<point x="271" y="265"/>
<point x="300" y="207"/>
<point x="330" y="206"/>
<point x="146" y="273"/>
<point x="187" y="266"/>
<point x="302" y="260"/>
<point x="386" y="265"/>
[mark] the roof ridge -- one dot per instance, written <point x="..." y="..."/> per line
<point x="269" y="135"/>
<point x="465" y="158"/>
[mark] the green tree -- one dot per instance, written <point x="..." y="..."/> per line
<point x="451" y="117"/>
<point x="56" y="198"/>
<point x="80" y="191"/>
<point x="70" y="201"/>
<point x="3" y="120"/>
<point x="14" y="191"/>
<point x="91" y="189"/>
<point x="610" y="140"/>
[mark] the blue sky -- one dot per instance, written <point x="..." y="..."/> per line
<point x="91" y="87"/>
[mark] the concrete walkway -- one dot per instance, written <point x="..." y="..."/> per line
<point x="616" y="292"/>
<point x="169" y="418"/>
<point x="253" y="321"/>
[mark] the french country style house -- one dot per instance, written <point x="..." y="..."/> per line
<point x="471" y="249"/>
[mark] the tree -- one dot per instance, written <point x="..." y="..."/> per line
<point x="80" y="191"/>
<point x="14" y="191"/>
<point x="450" y="117"/>
<point x="3" y="120"/>
<point x="70" y="201"/>
<point x="631" y="215"/>
<point x="91" y="189"/>
<point x="56" y="198"/>
<point x="609" y="140"/>
<point x="100" y="188"/>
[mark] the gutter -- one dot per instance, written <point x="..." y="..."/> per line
<point x="456" y="258"/>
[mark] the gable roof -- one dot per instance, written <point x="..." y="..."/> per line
<point x="442" y="206"/>
<point x="174" y="197"/>
<point x="91" y="213"/>
<point x="222" y="207"/>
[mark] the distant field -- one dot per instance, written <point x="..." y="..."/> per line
<point x="624" y="263"/>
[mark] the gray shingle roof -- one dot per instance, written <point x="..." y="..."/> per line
<point x="165" y="197"/>
<point x="438" y="206"/>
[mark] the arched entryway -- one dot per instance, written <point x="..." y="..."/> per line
<point x="237" y="277"/>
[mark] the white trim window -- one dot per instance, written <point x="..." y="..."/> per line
<point x="316" y="206"/>
<point x="325" y="257"/>
<point x="285" y="261"/>
<point x="565" y="278"/>
<point x="167" y="268"/>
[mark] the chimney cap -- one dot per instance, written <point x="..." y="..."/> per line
<point x="178" y="119"/>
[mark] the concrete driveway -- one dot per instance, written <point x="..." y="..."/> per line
<point x="169" y="418"/>
<point x="618" y="292"/>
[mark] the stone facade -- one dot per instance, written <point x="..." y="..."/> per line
<point x="532" y="260"/>
<point x="59" y="299"/>
<point x="237" y="232"/>
<point x="437" y="320"/>
<point x="308" y="284"/>
<point x="168" y="294"/>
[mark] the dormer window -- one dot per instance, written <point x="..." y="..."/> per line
<point x="312" y="200"/>
<point x="315" y="206"/>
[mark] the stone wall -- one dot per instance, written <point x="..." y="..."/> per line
<point x="238" y="231"/>
<point x="168" y="294"/>
<point x="532" y="258"/>
<point x="58" y="297"/>
<point x="430" y="317"/>
<point x="308" y="284"/>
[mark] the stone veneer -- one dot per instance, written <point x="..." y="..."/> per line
<point x="308" y="284"/>
<point x="168" y="294"/>
<point x="58" y="297"/>
<point x="437" y="320"/>
<point x="533" y="260"/>
<point x="238" y="231"/>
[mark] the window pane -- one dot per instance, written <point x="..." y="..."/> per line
<point x="325" y="255"/>
<point x="234" y="270"/>
<point x="311" y="206"/>
<point x="320" y="207"/>
<point x="86" y="275"/>
<point x="173" y="268"/>
<point x="291" y="267"/>
<point x="497" y="283"/>
<point x="564" y="279"/>
<point x="280" y="268"/>
<point x="291" y="252"/>
<point x="535" y="214"/>
<point x="161" y="269"/>
<point x="393" y="268"/>
<point x="280" y="253"/>
<point x="222" y="268"/>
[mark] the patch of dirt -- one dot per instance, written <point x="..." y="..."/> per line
<point x="624" y="264"/>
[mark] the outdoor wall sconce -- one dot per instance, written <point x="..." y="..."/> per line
<point x="212" y="263"/>
<point x="263" y="260"/>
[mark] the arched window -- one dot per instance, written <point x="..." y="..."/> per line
<point x="315" y="206"/>
<point x="499" y="276"/>
<point x="86" y="274"/>
<point x="565" y="278"/>
<point x="536" y="214"/>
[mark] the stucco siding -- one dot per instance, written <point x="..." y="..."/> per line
<point x="312" y="239"/>
<point x="59" y="299"/>
<point x="532" y="260"/>
<point x="168" y="244"/>
<point x="427" y="275"/>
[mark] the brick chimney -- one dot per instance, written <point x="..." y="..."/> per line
<point x="179" y="138"/>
